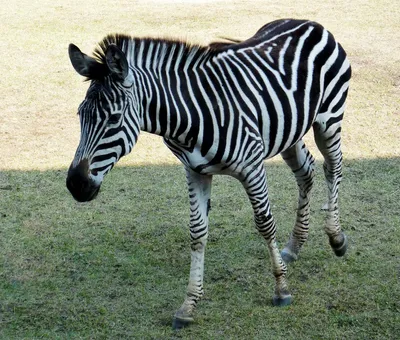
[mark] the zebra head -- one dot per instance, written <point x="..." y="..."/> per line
<point x="109" y="122"/>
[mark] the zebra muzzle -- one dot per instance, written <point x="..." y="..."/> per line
<point x="79" y="183"/>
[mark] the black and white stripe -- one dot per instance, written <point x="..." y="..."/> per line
<point x="222" y="109"/>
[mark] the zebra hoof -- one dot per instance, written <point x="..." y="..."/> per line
<point x="278" y="301"/>
<point x="339" y="248"/>
<point x="288" y="256"/>
<point x="178" y="324"/>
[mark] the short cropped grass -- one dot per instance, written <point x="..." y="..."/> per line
<point x="117" y="267"/>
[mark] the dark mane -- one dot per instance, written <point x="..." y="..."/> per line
<point x="122" y="39"/>
<point x="118" y="39"/>
<point x="223" y="45"/>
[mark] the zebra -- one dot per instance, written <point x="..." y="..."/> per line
<point x="221" y="109"/>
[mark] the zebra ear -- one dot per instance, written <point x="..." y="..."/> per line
<point x="83" y="64"/>
<point x="116" y="62"/>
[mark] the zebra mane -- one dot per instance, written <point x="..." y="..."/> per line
<point x="123" y="40"/>
<point x="100" y="51"/>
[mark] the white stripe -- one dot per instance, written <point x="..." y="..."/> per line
<point x="318" y="48"/>
<point x="229" y="111"/>
<point x="331" y="85"/>
<point x="216" y="139"/>
<point x="178" y="89"/>
<point x="296" y="61"/>
<point x="282" y="56"/>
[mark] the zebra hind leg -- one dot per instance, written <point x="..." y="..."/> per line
<point x="199" y="196"/>
<point x="300" y="160"/>
<point x="328" y="139"/>
<point x="255" y="184"/>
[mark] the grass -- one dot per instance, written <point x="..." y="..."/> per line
<point x="117" y="268"/>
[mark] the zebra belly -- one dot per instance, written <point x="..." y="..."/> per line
<point x="238" y="158"/>
<point x="194" y="160"/>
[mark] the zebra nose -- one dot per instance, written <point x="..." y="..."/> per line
<point x="79" y="183"/>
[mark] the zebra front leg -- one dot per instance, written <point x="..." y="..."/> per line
<point x="300" y="160"/>
<point x="255" y="184"/>
<point x="199" y="196"/>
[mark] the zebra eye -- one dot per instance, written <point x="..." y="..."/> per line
<point x="114" y="119"/>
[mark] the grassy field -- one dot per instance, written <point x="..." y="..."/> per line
<point x="117" y="267"/>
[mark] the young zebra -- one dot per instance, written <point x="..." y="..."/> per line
<point x="221" y="109"/>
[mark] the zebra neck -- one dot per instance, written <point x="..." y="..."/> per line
<point x="167" y="74"/>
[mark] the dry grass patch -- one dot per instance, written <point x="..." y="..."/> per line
<point x="41" y="92"/>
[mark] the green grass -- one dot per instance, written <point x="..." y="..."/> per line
<point x="117" y="267"/>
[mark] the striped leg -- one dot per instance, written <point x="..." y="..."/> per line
<point x="255" y="183"/>
<point x="328" y="141"/>
<point x="301" y="162"/>
<point x="199" y="195"/>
